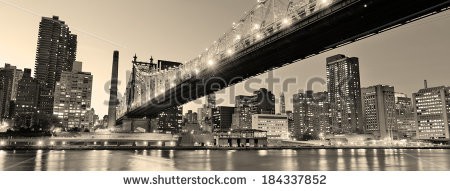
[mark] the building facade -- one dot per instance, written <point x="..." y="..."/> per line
<point x="311" y="115"/>
<point x="27" y="99"/>
<point x="9" y="79"/>
<point x="282" y="104"/>
<point x="344" y="92"/>
<point x="261" y="102"/>
<point x="404" y="115"/>
<point x="72" y="98"/>
<point x="56" y="52"/>
<point x="276" y="126"/>
<point x="170" y="120"/>
<point x="378" y="103"/>
<point x="432" y="112"/>
<point x="222" y="118"/>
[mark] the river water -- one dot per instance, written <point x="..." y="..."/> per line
<point x="228" y="160"/>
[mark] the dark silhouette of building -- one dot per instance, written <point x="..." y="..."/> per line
<point x="165" y="65"/>
<point x="191" y="117"/>
<point x="9" y="76"/>
<point x="344" y="92"/>
<point x="56" y="52"/>
<point x="113" y="101"/>
<point x="282" y="104"/>
<point x="170" y="120"/>
<point x="27" y="98"/>
<point x="263" y="102"/>
<point x="222" y="118"/>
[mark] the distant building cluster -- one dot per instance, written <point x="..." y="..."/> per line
<point x="345" y="108"/>
<point x="59" y="90"/>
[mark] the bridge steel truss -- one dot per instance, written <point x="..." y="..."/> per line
<point x="273" y="34"/>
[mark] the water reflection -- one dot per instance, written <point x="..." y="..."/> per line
<point x="206" y="160"/>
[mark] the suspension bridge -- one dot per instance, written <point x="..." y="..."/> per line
<point x="274" y="33"/>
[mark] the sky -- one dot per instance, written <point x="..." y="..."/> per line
<point x="178" y="30"/>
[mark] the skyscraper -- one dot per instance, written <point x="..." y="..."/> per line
<point x="282" y="104"/>
<point x="344" y="93"/>
<point x="242" y="117"/>
<point x="222" y="118"/>
<point x="432" y="112"/>
<point x="263" y="102"/>
<point x="73" y="94"/>
<point x="113" y="101"/>
<point x="56" y="52"/>
<point x="170" y="120"/>
<point x="9" y="76"/>
<point x="211" y="100"/>
<point x="404" y="115"/>
<point x="27" y="99"/>
<point x="311" y="115"/>
<point x="378" y="103"/>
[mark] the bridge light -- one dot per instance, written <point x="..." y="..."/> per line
<point x="196" y="71"/>
<point x="230" y="52"/>
<point x="210" y="62"/>
<point x="52" y="143"/>
<point x="3" y="143"/>
<point x="238" y="37"/>
<point x="40" y="143"/>
<point x="286" y="21"/>
<point x="325" y="2"/>
<point x="258" y="36"/>
<point x="256" y="26"/>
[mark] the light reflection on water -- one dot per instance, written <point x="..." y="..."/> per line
<point x="206" y="160"/>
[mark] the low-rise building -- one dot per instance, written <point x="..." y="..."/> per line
<point x="275" y="125"/>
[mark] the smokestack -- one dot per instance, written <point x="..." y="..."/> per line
<point x="113" y="91"/>
<point x="425" y="83"/>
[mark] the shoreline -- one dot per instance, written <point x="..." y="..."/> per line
<point x="126" y="148"/>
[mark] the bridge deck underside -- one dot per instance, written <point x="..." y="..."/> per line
<point x="342" y="23"/>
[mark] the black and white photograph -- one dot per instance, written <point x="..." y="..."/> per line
<point x="230" y="94"/>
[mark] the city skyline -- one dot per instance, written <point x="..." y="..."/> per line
<point x="379" y="60"/>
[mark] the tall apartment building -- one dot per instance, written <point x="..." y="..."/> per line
<point x="242" y="117"/>
<point x="9" y="79"/>
<point x="432" y="112"/>
<point x="378" y="103"/>
<point x="282" y="104"/>
<point x="27" y="98"/>
<point x="222" y="118"/>
<point x="404" y="115"/>
<point x="72" y="98"/>
<point x="344" y="93"/>
<point x="261" y="102"/>
<point x="56" y="52"/>
<point x="170" y="120"/>
<point x="311" y="115"/>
